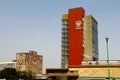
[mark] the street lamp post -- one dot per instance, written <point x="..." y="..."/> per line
<point x="108" y="58"/>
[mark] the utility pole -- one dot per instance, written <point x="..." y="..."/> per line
<point x="108" y="58"/>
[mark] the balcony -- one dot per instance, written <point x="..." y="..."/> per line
<point x="60" y="72"/>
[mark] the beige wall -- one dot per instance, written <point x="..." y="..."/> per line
<point x="90" y="38"/>
<point x="87" y="37"/>
<point x="98" y="72"/>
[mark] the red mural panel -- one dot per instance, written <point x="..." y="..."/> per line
<point x="75" y="42"/>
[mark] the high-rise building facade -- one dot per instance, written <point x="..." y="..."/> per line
<point x="75" y="36"/>
<point x="29" y="62"/>
<point x="64" y="42"/>
<point x="90" y="38"/>
<point x="80" y="41"/>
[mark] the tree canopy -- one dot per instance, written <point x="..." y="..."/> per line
<point x="11" y="73"/>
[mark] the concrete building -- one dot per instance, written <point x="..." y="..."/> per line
<point x="64" y="42"/>
<point x="29" y="62"/>
<point x="79" y="38"/>
<point x="96" y="70"/>
<point x="75" y="36"/>
<point x="90" y="38"/>
<point x="79" y="51"/>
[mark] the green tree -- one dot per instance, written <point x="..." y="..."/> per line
<point x="12" y="74"/>
<point x="9" y="73"/>
<point x="24" y="75"/>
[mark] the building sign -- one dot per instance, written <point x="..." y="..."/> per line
<point x="65" y="16"/>
<point x="78" y="24"/>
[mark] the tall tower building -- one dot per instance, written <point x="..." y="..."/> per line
<point x="79" y="38"/>
<point x="90" y="38"/>
<point x="64" y="42"/>
<point x="75" y="36"/>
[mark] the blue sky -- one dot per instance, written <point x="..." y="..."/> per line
<point x="36" y="25"/>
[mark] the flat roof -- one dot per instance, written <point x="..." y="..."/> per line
<point x="6" y="62"/>
<point x="57" y="69"/>
<point x="94" y="65"/>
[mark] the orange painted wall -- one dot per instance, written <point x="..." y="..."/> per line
<point x="75" y="42"/>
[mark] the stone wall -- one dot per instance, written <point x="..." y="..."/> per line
<point x="29" y="62"/>
<point x="97" y="72"/>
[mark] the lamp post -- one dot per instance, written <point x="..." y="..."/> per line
<point x="108" y="58"/>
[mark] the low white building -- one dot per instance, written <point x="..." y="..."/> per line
<point x="4" y="65"/>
